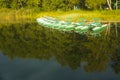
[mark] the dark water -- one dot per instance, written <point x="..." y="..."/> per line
<point x="31" y="52"/>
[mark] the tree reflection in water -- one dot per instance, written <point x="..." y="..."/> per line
<point x="69" y="49"/>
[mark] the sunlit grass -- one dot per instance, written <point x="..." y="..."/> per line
<point x="89" y="15"/>
<point x="25" y="15"/>
<point x="12" y="16"/>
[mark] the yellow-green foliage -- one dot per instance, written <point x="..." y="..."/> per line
<point x="105" y="15"/>
<point x="26" y="15"/>
<point x="12" y="16"/>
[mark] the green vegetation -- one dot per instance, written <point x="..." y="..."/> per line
<point x="69" y="49"/>
<point x="50" y="5"/>
<point x="29" y="10"/>
<point x="28" y="15"/>
<point x="28" y="40"/>
<point x="89" y="15"/>
<point x="11" y="16"/>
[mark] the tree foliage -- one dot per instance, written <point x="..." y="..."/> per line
<point x="95" y="4"/>
<point x="49" y="5"/>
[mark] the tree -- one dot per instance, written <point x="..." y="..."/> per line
<point x="46" y="4"/>
<point x="33" y="3"/>
<point x="5" y="3"/>
<point x="109" y="4"/>
<point x="74" y="3"/>
<point x="82" y="4"/>
<point x="95" y="4"/>
<point x="58" y="5"/>
<point x="18" y="4"/>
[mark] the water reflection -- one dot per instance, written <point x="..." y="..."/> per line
<point x="21" y="42"/>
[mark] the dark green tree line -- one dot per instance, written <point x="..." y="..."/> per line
<point x="49" y="5"/>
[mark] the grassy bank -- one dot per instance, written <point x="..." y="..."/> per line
<point x="89" y="15"/>
<point x="12" y="16"/>
<point x="24" y="15"/>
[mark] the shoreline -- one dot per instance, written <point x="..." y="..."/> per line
<point x="30" y="15"/>
<point x="34" y="21"/>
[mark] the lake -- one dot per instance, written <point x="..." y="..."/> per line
<point x="31" y="52"/>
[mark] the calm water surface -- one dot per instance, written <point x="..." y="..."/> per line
<point x="31" y="52"/>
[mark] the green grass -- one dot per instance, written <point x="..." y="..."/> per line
<point x="25" y="15"/>
<point x="12" y="16"/>
<point x="89" y="15"/>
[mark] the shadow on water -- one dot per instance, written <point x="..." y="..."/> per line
<point x="68" y="49"/>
